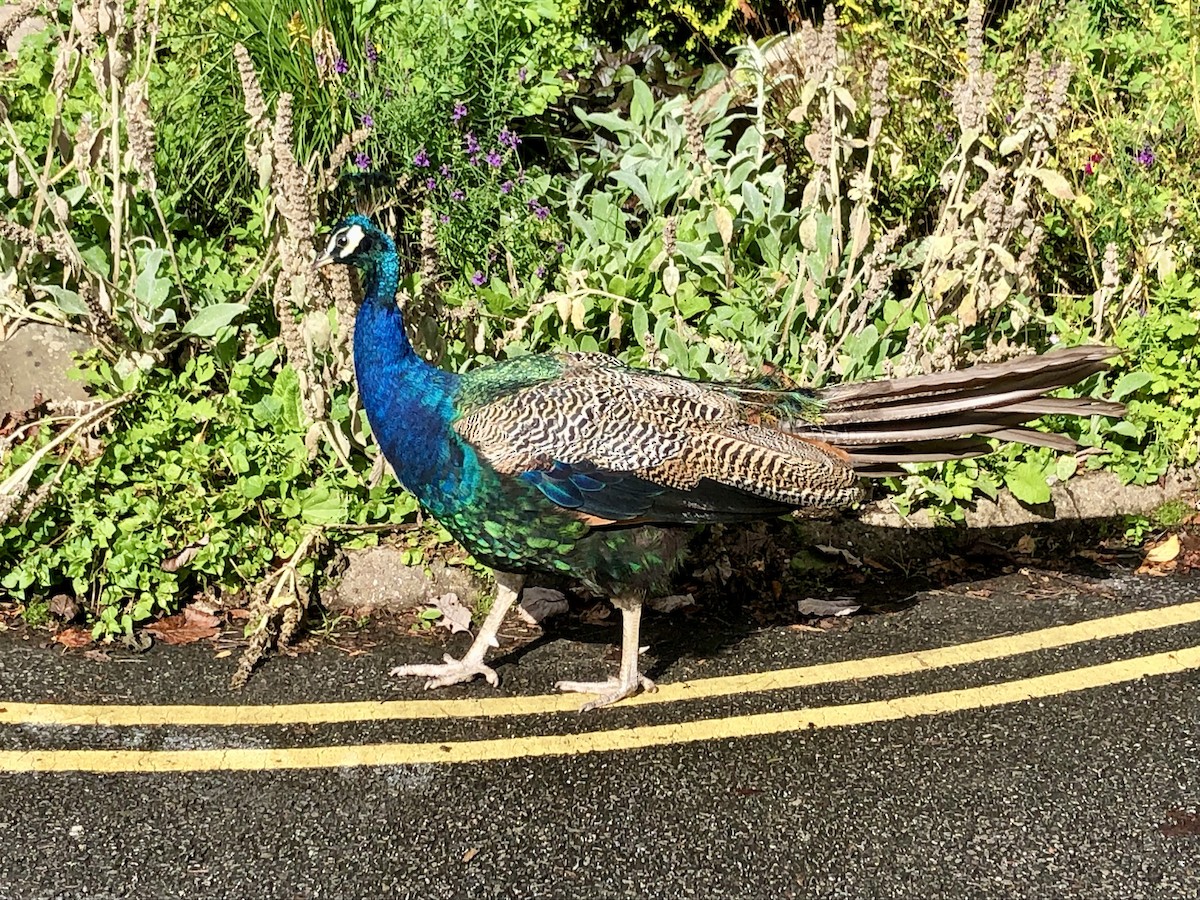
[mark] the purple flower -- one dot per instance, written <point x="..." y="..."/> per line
<point x="372" y="51"/>
<point x="472" y="144"/>
<point x="460" y="111"/>
<point x="508" y="139"/>
<point x="541" y="212"/>
<point x="560" y="247"/>
<point x="494" y="159"/>
<point x="430" y="184"/>
<point x="457" y="194"/>
<point x="478" y="278"/>
<point x="341" y="66"/>
<point x="539" y="272"/>
<point x="367" y="120"/>
<point x="443" y="218"/>
<point x="522" y="74"/>
<point x="362" y="161"/>
<point x="1145" y="156"/>
<point x="421" y="160"/>
<point x="521" y="179"/>
<point x="445" y="170"/>
<point x="506" y="187"/>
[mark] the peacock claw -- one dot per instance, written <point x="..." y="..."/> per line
<point x="609" y="692"/>
<point x="451" y="671"/>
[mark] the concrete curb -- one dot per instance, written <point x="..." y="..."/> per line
<point x="1095" y="495"/>
<point x="376" y="579"/>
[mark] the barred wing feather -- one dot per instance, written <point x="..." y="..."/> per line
<point x="619" y="444"/>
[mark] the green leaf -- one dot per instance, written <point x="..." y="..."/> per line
<point x="252" y="487"/>
<point x="610" y="121"/>
<point x="1065" y="467"/>
<point x="268" y="410"/>
<point x="68" y="301"/>
<point x="151" y="290"/>
<point x="636" y="186"/>
<point x="641" y="108"/>
<point x="321" y="506"/>
<point x="211" y="319"/>
<point x="96" y="258"/>
<point x="287" y="391"/>
<point x="1027" y="481"/>
<point x="1130" y="383"/>
<point x="1055" y="183"/>
<point x="753" y="199"/>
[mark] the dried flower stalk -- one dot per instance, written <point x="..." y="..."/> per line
<point x="17" y="17"/>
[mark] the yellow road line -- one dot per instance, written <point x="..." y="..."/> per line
<point x="804" y="676"/>
<point x="643" y="736"/>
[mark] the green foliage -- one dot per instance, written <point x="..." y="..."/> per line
<point x="1162" y="386"/>
<point x="399" y="65"/>
<point x="201" y="462"/>
<point x="817" y="215"/>
<point x="1133" y="142"/>
<point x="111" y="250"/>
<point x="296" y="49"/>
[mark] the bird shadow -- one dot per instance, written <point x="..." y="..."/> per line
<point x="748" y="579"/>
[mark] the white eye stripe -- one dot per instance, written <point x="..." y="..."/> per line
<point x="353" y="237"/>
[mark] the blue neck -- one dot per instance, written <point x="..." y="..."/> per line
<point x="409" y="403"/>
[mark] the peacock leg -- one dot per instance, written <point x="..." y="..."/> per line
<point x="629" y="680"/>
<point x="455" y="671"/>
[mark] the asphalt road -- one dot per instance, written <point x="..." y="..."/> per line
<point x="1029" y="736"/>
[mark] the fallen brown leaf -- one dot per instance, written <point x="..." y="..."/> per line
<point x="97" y="656"/>
<point x="73" y="637"/>
<point x="185" y="627"/>
<point x="455" y="616"/>
<point x="1165" y="550"/>
<point x="1189" y="556"/>
<point x="1160" y="558"/>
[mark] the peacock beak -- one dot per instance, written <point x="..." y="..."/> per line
<point x="325" y="259"/>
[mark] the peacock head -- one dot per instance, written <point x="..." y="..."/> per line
<point x="355" y="241"/>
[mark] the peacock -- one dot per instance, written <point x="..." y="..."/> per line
<point x="577" y="464"/>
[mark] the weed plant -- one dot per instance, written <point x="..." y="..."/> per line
<point x="837" y="203"/>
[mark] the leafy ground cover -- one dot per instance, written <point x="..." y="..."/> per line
<point x="896" y="188"/>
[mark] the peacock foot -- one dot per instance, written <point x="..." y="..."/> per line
<point x="609" y="691"/>
<point x="451" y="671"/>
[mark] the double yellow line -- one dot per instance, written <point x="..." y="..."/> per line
<point x="239" y="758"/>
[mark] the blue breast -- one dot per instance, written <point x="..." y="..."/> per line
<point x="410" y="405"/>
